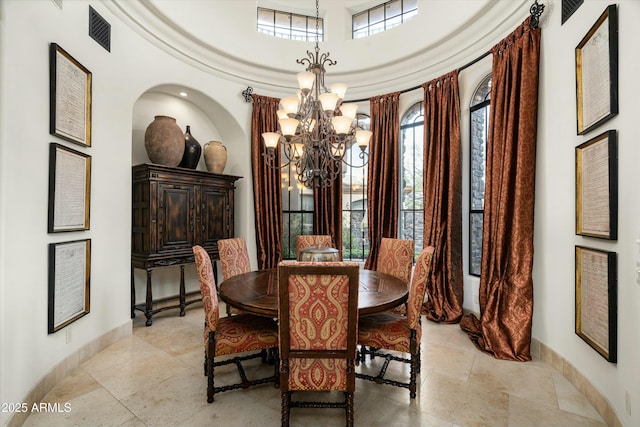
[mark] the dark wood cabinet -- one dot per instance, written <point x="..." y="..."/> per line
<point x="174" y="209"/>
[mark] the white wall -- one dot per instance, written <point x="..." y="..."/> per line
<point x="555" y="237"/>
<point x="120" y="78"/>
<point x="122" y="107"/>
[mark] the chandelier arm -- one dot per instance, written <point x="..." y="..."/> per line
<point x="271" y="161"/>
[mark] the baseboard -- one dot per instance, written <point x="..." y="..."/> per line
<point x="67" y="366"/>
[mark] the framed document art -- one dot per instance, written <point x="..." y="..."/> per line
<point x="69" y="282"/>
<point x="596" y="300"/>
<point x="69" y="189"/>
<point x="69" y="97"/>
<point x="597" y="72"/>
<point x="597" y="187"/>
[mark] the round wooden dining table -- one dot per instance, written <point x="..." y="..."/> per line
<point x="257" y="292"/>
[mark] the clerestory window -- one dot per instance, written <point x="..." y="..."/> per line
<point x="383" y="17"/>
<point x="290" y="25"/>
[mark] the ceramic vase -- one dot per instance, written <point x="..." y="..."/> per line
<point x="215" y="156"/>
<point x="164" y="141"/>
<point x="192" y="151"/>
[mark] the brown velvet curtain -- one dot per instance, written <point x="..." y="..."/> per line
<point x="383" y="176"/>
<point x="443" y="198"/>
<point x="327" y="205"/>
<point x="506" y="285"/>
<point x="267" y="194"/>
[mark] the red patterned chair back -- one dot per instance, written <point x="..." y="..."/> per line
<point x="207" y="287"/>
<point x="318" y="329"/>
<point x="308" y="240"/>
<point x="419" y="286"/>
<point x="234" y="257"/>
<point x="395" y="257"/>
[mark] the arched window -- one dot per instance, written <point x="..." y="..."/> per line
<point x="479" y="129"/>
<point x="355" y="240"/>
<point x="412" y="172"/>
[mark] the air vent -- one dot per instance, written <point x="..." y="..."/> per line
<point x="568" y="7"/>
<point x="99" y="29"/>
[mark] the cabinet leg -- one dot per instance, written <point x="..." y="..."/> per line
<point x="183" y="300"/>
<point x="148" y="306"/>
<point x="133" y="295"/>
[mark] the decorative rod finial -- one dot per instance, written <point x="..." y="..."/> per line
<point x="536" y="11"/>
<point x="247" y="93"/>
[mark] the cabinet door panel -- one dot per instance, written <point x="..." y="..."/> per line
<point x="215" y="217"/>
<point x="176" y="217"/>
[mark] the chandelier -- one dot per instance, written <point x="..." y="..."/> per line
<point x="316" y="129"/>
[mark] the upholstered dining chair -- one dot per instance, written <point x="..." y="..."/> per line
<point x="318" y="321"/>
<point x="395" y="257"/>
<point x="309" y="240"/>
<point x="234" y="258"/>
<point x="231" y="335"/>
<point x="397" y="332"/>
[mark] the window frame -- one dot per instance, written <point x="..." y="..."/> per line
<point x="311" y="34"/>
<point x="416" y="211"/>
<point x="364" y="122"/>
<point x="474" y="107"/>
<point x="386" y="22"/>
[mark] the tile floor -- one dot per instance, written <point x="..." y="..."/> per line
<point x="155" y="378"/>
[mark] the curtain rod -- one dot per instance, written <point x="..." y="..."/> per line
<point x="535" y="11"/>
<point x="467" y="65"/>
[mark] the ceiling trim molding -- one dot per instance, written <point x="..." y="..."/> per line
<point x="486" y="28"/>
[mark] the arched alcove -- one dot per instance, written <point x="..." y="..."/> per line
<point x="208" y="120"/>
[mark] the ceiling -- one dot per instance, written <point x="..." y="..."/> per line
<point x="220" y="37"/>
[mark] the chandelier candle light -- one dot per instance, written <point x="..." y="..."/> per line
<point x="316" y="129"/>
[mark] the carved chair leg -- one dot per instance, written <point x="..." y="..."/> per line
<point x="413" y="375"/>
<point x="349" y="409"/>
<point x="286" y="402"/>
<point x="209" y="373"/>
<point x="210" y="355"/>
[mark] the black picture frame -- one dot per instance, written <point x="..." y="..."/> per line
<point x="69" y="189"/>
<point x="69" y="283"/>
<point x="596" y="300"/>
<point x="597" y="73"/>
<point x="597" y="187"/>
<point x="69" y="97"/>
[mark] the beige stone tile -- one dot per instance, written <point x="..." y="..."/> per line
<point x="463" y="403"/>
<point x="443" y="334"/>
<point x="523" y="414"/>
<point x="571" y="400"/>
<point x="127" y="349"/>
<point x="376" y="410"/>
<point x="524" y="379"/>
<point x="75" y="385"/>
<point x="138" y="373"/>
<point x="96" y="408"/>
<point x="171" y="400"/>
<point x="173" y="335"/>
<point x="451" y="361"/>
